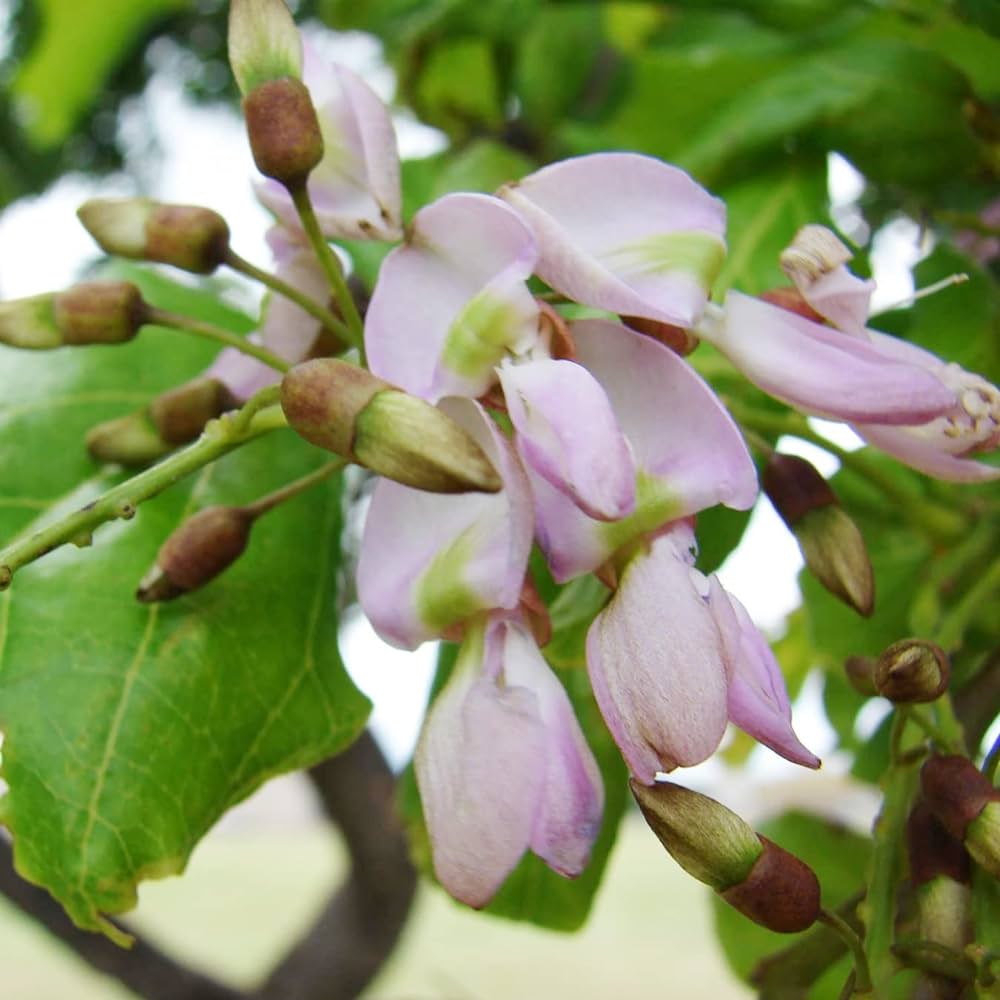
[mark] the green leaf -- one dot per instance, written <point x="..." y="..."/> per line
<point x="78" y="49"/>
<point x="765" y="211"/>
<point x="129" y="729"/>
<point x="458" y="89"/>
<point x="482" y="165"/>
<point x="572" y="612"/>
<point x="533" y="892"/>
<point x="838" y="856"/>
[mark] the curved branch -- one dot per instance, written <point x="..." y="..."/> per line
<point x="143" y="968"/>
<point x="359" y="927"/>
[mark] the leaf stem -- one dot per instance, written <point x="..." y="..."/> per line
<point x="332" y="323"/>
<point x="120" y="502"/>
<point x="862" y="977"/>
<point x="161" y="317"/>
<point x="952" y="630"/>
<point x="331" y="266"/>
<point x="293" y="489"/>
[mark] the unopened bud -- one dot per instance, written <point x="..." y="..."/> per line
<point x="180" y="414"/>
<point x="99" y="312"/>
<point x="186" y="236"/>
<point x="264" y="43"/>
<point x="130" y="440"/>
<point x="912" y="670"/>
<point x="751" y="873"/>
<point x="283" y="130"/>
<point x="860" y="672"/>
<point x="830" y="541"/>
<point x="677" y="338"/>
<point x="966" y="804"/>
<point x="92" y="312"/>
<point x="197" y="552"/>
<point x="347" y="410"/>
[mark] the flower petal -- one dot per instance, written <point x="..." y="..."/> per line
<point x="625" y="233"/>
<point x="477" y="767"/>
<point x="758" y="702"/>
<point x="820" y="370"/>
<point x="429" y="561"/>
<point x="922" y="452"/>
<point x="655" y="660"/>
<point x="567" y="433"/>
<point x="451" y="302"/>
<point x="569" y="814"/>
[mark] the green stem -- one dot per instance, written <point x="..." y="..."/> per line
<point x="161" y="317"/>
<point x="261" y="399"/>
<point x="293" y="489"/>
<point x="120" y="502"/>
<point x="332" y="323"/>
<point x="879" y="907"/>
<point x="952" y="629"/>
<point x="331" y="266"/>
<point x="862" y="977"/>
<point x="942" y="523"/>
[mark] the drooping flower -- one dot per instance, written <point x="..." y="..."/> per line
<point x="355" y="188"/>
<point x="430" y="562"/>
<point x="452" y="302"/>
<point x="625" y="233"/>
<point x="503" y="767"/>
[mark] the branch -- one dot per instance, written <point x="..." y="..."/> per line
<point x="143" y="968"/>
<point x="359" y="928"/>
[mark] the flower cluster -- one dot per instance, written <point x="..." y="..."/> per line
<point x="608" y="444"/>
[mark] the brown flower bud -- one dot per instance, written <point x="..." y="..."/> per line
<point x="860" y="672"/>
<point x="934" y="852"/>
<point x="130" y="440"/>
<point x="347" y="410"/>
<point x="912" y="670"/>
<point x="956" y="791"/>
<point x="180" y="414"/>
<point x="283" y="130"/>
<point x="186" y="236"/>
<point x="197" y="552"/>
<point x="830" y="541"/>
<point x="99" y="312"/>
<point x="781" y="892"/>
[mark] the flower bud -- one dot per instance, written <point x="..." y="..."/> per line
<point x="283" y="130"/>
<point x="966" y="805"/>
<point x="92" y="312"/>
<point x="860" y="672"/>
<point x="186" y="236"/>
<point x="751" y="873"/>
<point x="264" y="43"/>
<point x="180" y="414"/>
<point x="197" y="552"/>
<point x="130" y="440"/>
<point x="830" y="541"/>
<point x="347" y="410"/>
<point x="912" y="670"/>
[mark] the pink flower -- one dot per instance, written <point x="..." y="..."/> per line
<point x="503" y="767"/>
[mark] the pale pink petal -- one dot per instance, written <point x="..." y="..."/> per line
<point x="679" y="431"/>
<point x="287" y="330"/>
<point x="821" y="370"/>
<point x="840" y="297"/>
<point x="355" y="189"/>
<point x="478" y="770"/>
<point x="569" y="816"/>
<point x="625" y="233"/>
<point x="655" y="660"/>
<point x="923" y="453"/>
<point x="758" y="701"/>
<point x="428" y="561"/>
<point x="568" y="434"/>
<point x="451" y="303"/>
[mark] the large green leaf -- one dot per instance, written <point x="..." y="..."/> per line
<point x="79" y="47"/>
<point x="129" y="729"/>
